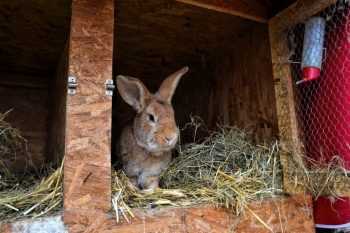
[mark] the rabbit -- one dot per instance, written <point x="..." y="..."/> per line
<point x="144" y="147"/>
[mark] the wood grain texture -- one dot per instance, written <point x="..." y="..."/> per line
<point x="289" y="215"/>
<point x="283" y="214"/>
<point x="229" y="60"/>
<point x="189" y="36"/>
<point x="288" y="127"/>
<point x="33" y="32"/>
<point x="5" y="228"/>
<point x="297" y="13"/>
<point x="249" y="9"/>
<point x="243" y="94"/>
<point x="284" y="87"/>
<point x="87" y="171"/>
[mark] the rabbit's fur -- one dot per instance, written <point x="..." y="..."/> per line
<point x="145" y="146"/>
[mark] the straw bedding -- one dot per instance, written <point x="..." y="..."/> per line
<point x="12" y="144"/>
<point x="32" y="197"/>
<point x="318" y="178"/>
<point x="224" y="169"/>
<point x="25" y="194"/>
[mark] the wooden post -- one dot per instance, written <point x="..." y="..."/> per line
<point x="87" y="170"/>
<point x="284" y="87"/>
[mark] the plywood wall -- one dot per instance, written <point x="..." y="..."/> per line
<point x="230" y="78"/>
<point x="57" y="120"/>
<point x="38" y="111"/>
<point x="154" y="39"/>
<point x="243" y="93"/>
<point x="27" y="96"/>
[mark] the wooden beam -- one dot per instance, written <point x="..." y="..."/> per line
<point x="87" y="168"/>
<point x="297" y="13"/>
<point x="280" y="214"/>
<point x="248" y="9"/>
<point x="292" y="145"/>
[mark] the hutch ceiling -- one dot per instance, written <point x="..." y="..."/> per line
<point x="33" y="33"/>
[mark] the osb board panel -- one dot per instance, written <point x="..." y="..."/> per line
<point x="281" y="215"/>
<point x="5" y="228"/>
<point x="29" y="104"/>
<point x="289" y="215"/>
<point x="243" y="94"/>
<point x="57" y="120"/>
<point x="189" y="220"/>
<point x="87" y="171"/>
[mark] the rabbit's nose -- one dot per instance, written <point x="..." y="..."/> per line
<point x="170" y="139"/>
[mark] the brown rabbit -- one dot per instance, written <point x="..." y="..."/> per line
<point x="145" y="146"/>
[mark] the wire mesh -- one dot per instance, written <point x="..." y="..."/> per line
<point x="323" y="101"/>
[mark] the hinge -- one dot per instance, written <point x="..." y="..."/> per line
<point x="72" y="85"/>
<point x="109" y="87"/>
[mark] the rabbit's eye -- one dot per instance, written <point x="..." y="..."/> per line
<point x="151" y="118"/>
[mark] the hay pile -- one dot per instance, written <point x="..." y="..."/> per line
<point x="33" y="197"/>
<point x="12" y="145"/>
<point x="225" y="170"/>
<point x="318" y="178"/>
<point x="25" y="194"/>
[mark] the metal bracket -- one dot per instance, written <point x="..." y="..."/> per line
<point x="72" y="85"/>
<point x="109" y="87"/>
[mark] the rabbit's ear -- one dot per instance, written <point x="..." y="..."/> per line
<point x="167" y="89"/>
<point x="132" y="91"/>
